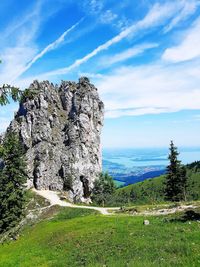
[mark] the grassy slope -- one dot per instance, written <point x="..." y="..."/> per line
<point x="78" y="237"/>
<point x="151" y="190"/>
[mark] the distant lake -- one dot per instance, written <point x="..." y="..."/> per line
<point x="129" y="164"/>
<point x="148" y="157"/>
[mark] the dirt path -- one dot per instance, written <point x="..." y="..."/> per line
<point x="54" y="199"/>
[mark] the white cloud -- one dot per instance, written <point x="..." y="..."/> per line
<point x="47" y="49"/>
<point x="108" y="16"/>
<point x="23" y="52"/>
<point x="93" y="6"/>
<point x="150" y="89"/>
<point x="122" y="23"/>
<point x="97" y="9"/>
<point x="129" y="53"/>
<point x="188" y="49"/>
<point x="17" y="23"/>
<point x="14" y="60"/>
<point x="15" y="57"/>
<point x="186" y="10"/>
<point x="134" y="112"/>
<point x="155" y="17"/>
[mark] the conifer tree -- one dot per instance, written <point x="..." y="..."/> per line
<point x="176" y="179"/>
<point x="12" y="179"/>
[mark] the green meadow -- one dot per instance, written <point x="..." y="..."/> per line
<point x="77" y="237"/>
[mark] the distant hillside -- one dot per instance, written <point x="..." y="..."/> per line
<point x="152" y="190"/>
<point x="128" y="179"/>
<point x="195" y="166"/>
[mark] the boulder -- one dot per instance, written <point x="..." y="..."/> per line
<point x="146" y="222"/>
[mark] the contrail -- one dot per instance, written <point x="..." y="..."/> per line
<point x="48" y="48"/>
<point x="156" y="15"/>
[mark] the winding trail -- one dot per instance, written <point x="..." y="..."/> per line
<point x="53" y="198"/>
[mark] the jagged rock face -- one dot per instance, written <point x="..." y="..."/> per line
<point x="60" y="129"/>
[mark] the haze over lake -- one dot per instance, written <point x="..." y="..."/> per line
<point x="125" y="163"/>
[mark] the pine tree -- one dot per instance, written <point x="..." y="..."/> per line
<point x="12" y="179"/>
<point x="176" y="179"/>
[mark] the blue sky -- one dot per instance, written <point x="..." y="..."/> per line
<point x="143" y="56"/>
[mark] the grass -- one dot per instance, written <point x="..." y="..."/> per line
<point x="77" y="237"/>
<point x="119" y="183"/>
<point x="34" y="201"/>
<point x="151" y="191"/>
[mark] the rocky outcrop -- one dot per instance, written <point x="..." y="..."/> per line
<point x="60" y="128"/>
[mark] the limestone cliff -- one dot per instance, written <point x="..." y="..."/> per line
<point x="60" y="128"/>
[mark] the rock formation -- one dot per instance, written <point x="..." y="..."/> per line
<point x="60" y="128"/>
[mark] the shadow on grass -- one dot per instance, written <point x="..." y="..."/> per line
<point x="189" y="215"/>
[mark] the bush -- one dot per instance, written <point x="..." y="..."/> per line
<point x="104" y="189"/>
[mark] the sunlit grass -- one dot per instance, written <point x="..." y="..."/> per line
<point x="77" y="237"/>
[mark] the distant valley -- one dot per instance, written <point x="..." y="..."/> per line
<point x="129" y="166"/>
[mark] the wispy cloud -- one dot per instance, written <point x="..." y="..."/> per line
<point x="129" y="53"/>
<point x="19" y="49"/>
<point x="108" y="16"/>
<point x="156" y="16"/>
<point x="16" y="56"/>
<point x="134" y="112"/>
<point x="14" y="60"/>
<point x="93" y="6"/>
<point x="97" y="9"/>
<point x="150" y="89"/>
<point x="17" y="23"/>
<point x="48" y="48"/>
<point x="187" y="8"/>
<point x="189" y="47"/>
